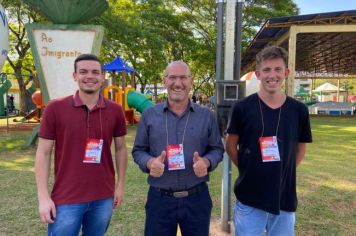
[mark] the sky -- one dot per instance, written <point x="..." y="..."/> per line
<point x="320" y="6"/>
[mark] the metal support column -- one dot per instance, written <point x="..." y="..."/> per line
<point x="238" y="39"/>
<point x="219" y="40"/>
<point x="228" y="75"/>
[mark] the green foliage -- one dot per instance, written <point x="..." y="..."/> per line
<point x="19" y="45"/>
<point x="256" y="12"/>
<point x="150" y="33"/>
<point x="200" y="18"/>
<point x="19" y="60"/>
<point x="134" y="33"/>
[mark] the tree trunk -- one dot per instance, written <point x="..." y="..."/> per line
<point x="23" y="107"/>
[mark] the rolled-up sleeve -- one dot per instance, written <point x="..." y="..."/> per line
<point x="140" y="151"/>
<point x="216" y="148"/>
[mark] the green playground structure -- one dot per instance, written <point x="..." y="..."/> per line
<point x="138" y="101"/>
<point x="4" y="87"/>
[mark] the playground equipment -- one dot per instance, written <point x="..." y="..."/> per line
<point x="125" y="95"/>
<point x="4" y="87"/>
<point x="130" y="100"/>
<point x="116" y="91"/>
<point x="138" y="101"/>
<point x="252" y="83"/>
<point x="119" y="96"/>
<point x="4" y="47"/>
<point x="36" y="113"/>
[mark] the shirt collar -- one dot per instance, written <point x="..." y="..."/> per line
<point x="165" y="107"/>
<point x="77" y="102"/>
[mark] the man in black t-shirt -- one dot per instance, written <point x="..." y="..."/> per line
<point x="266" y="140"/>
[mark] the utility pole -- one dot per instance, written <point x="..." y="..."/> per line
<point x="228" y="86"/>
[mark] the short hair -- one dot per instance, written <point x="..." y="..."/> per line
<point x="87" y="57"/>
<point x="271" y="52"/>
<point x="165" y="73"/>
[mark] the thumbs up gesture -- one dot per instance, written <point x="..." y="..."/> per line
<point x="156" y="165"/>
<point x="200" y="165"/>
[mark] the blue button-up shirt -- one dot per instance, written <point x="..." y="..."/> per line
<point x="201" y="135"/>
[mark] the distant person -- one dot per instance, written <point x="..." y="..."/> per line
<point x="81" y="128"/>
<point x="266" y="140"/>
<point x="194" y="99"/>
<point x="200" y="100"/>
<point x="178" y="144"/>
<point x="10" y="103"/>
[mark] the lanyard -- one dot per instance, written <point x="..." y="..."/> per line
<point x="185" y="127"/>
<point x="88" y="126"/>
<point x="263" y="123"/>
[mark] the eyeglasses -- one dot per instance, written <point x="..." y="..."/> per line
<point x="180" y="77"/>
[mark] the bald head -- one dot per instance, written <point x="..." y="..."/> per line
<point x="177" y="64"/>
<point x="178" y="82"/>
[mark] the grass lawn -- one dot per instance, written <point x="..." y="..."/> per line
<point x="326" y="185"/>
<point x="327" y="179"/>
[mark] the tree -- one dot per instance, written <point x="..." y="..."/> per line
<point x="256" y="12"/>
<point x="347" y="86"/>
<point x="19" y="57"/>
<point x="200" y="17"/>
<point x="149" y="34"/>
<point x="129" y="35"/>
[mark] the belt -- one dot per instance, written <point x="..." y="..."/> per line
<point x="184" y="193"/>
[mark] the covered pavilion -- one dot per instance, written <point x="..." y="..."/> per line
<point x="320" y="46"/>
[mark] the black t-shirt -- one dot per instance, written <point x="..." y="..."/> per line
<point x="269" y="186"/>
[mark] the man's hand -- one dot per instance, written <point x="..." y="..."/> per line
<point x="47" y="210"/>
<point x="118" y="197"/>
<point x="200" y="165"/>
<point x="156" y="165"/>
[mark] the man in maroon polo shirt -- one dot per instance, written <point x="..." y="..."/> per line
<point x="81" y="127"/>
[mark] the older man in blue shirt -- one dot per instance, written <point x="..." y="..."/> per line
<point x="178" y="144"/>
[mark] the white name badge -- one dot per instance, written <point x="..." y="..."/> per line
<point x="175" y="157"/>
<point x="93" y="150"/>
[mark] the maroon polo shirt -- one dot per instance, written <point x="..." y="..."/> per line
<point x="68" y="121"/>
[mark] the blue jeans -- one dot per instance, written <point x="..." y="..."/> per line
<point x="93" y="217"/>
<point x="250" y="221"/>
<point x="165" y="213"/>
